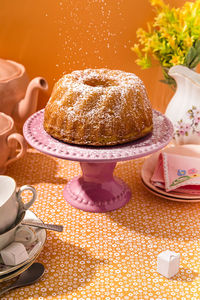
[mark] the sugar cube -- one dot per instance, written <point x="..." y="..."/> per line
<point x="168" y="263"/>
<point x="14" y="254"/>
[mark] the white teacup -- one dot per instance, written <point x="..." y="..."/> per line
<point x="10" y="201"/>
<point x="18" y="233"/>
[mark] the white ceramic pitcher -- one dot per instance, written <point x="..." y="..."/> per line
<point x="184" y="107"/>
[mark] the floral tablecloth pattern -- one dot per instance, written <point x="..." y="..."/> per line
<point x="110" y="255"/>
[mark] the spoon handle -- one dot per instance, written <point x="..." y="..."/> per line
<point x="28" y="277"/>
<point x="54" y="227"/>
<point x="7" y="289"/>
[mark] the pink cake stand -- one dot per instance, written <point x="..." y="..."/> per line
<point x="97" y="190"/>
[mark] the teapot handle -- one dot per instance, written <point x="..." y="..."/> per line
<point x="20" y="139"/>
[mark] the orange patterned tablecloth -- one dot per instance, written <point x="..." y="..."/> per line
<point x="111" y="255"/>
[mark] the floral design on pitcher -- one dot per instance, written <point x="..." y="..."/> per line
<point x="190" y="125"/>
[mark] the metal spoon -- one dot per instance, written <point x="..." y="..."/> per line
<point x="29" y="276"/>
<point x="54" y="227"/>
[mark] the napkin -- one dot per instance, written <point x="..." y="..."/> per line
<point x="178" y="173"/>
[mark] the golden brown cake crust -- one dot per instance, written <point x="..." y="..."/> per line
<point x="98" y="107"/>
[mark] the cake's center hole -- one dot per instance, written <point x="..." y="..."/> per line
<point x="98" y="82"/>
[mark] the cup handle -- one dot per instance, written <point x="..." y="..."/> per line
<point x="30" y="188"/>
<point x="20" y="139"/>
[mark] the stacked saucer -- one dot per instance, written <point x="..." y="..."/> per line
<point x="149" y="167"/>
<point x="33" y="249"/>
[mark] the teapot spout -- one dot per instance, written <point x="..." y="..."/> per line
<point x="27" y="106"/>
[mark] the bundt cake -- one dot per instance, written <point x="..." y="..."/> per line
<point x="98" y="107"/>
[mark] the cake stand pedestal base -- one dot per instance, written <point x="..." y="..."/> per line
<point x="97" y="190"/>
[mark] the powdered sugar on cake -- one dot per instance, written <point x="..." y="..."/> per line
<point x="99" y="100"/>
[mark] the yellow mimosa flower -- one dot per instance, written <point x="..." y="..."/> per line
<point x="157" y="3"/>
<point x="136" y="49"/>
<point x="172" y="38"/>
<point x="141" y="33"/>
<point x="188" y="41"/>
<point x="174" y="60"/>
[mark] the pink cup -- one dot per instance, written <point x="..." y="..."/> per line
<point x="8" y="142"/>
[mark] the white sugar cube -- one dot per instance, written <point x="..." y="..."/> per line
<point x="168" y="263"/>
<point x="14" y="254"/>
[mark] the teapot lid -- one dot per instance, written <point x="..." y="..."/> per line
<point x="9" y="70"/>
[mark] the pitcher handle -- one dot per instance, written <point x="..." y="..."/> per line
<point x="21" y="140"/>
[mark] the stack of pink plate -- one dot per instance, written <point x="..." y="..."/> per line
<point x="149" y="166"/>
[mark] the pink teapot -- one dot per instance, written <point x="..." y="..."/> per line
<point x="18" y="96"/>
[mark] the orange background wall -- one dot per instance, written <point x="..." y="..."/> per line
<point x="52" y="37"/>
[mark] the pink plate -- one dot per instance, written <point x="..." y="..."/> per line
<point x="97" y="190"/>
<point x="169" y="197"/>
<point x="149" y="165"/>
